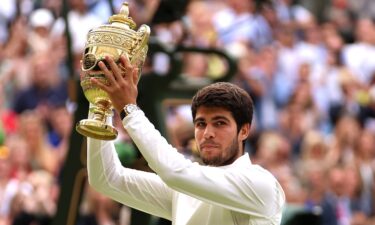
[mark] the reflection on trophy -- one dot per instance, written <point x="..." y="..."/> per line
<point x="114" y="39"/>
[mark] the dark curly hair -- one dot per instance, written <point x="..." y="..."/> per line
<point x="228" y="96"/>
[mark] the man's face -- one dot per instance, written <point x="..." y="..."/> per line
<point x="216" y="136"/>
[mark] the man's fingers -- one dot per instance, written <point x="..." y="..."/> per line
<point x="99" y="84"/>
<point x="134" y="77"/>
<point x="107" y="73"/>
<point x="124" y="59"/>
<point x="114" y="68"/>
<point x="127" y="66"/>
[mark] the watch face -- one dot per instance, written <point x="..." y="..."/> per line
<point x="130" y="108"/>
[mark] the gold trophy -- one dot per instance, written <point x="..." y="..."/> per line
<point x="114" y="39"/>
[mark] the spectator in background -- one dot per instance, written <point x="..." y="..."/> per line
<point x="315" y="182"/>
<point x="265" y="23"/>
<point x="297" y="118"/>
<point x="98" y="209"/>
<point x="235" y="22"/>
<point x="337" y="196"/>
<point x="80" y="20"/>
<point x="313" y="153"/>
<point x="290" y="13"/>
<point x="324" y="78"/>
<point x="41" y="22"/>
<point x="46" y="89"/>
<point x="341" y="16"/>
<point x="60" y="123"/>
<point x="359" y="205"/>
<point x="343" y="195"/>
<point x="7" y="14"/>
<point x="331" y="38"/>
<point x="38" y="204"/>
<point x="15" y="63"/>
<point x="195" y="69"/>
<point x="304" y="99"/>
<point x="360" y="55"/>
<point x="199" y="25"/>
<point x="287" y="64"/>
<point x="259" y="77"/>
<point x="33" y="130"/>
<point x="310" y="48"/>
<point x="363" y="163"/>
<point x="15" y="154"/>
<point x="343" y="140"/>
<point x="20" y="157"/>
<point x="273" y="152"/>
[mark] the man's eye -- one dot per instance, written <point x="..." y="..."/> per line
<point x="220" y="123"/>
<point x="199" y="124"/>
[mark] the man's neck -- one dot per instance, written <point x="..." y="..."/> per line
<point x="233" y="158"/>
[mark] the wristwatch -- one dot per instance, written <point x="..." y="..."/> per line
<point x="128" y="109"/>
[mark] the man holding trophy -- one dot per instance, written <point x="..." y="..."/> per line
<point x="226" y="190"/>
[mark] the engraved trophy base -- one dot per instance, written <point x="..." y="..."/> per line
<point x="96" y="129"/>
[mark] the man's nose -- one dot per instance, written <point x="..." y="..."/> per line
<point x="209" y="132"/>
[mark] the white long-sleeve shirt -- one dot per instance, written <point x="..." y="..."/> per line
<point x="181" y="190"/>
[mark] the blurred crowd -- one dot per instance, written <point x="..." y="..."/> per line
<point x="310" y="72"/>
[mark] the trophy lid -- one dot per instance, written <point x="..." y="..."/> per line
<point x="123" y="16"/>
<point x="115" y="39"/>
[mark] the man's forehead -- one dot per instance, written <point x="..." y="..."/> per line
<point x="209" y="113"/>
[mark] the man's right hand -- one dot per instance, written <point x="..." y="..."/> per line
<point x="122" y="82"/>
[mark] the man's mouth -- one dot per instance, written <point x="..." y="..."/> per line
<point x="208" y="146"/>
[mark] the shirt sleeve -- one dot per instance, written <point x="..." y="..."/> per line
<point x="246" y="188"/>
<point x="141" y="190"/>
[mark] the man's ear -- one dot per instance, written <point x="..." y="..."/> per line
<point x="244" y="132"/>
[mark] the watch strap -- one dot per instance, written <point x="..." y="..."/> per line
<point x="129" y="108"/>
<point x="122" y="114"/>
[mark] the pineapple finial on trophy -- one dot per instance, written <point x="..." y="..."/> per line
<point x="123" y="17"/>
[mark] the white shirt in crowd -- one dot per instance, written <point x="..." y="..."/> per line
<point x="181" y="190"/>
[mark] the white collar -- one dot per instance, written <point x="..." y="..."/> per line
<point x="242" y="160"/>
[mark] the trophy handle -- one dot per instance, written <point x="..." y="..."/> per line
<point x="139" y="51"/>
<point x="143" y="35"/>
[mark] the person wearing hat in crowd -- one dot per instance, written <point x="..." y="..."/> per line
<point x="41" y="22"/>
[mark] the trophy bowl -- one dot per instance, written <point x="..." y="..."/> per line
<point x="114" y="39"/>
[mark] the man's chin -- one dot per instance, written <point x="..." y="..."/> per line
<point x="211" y="161"/>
